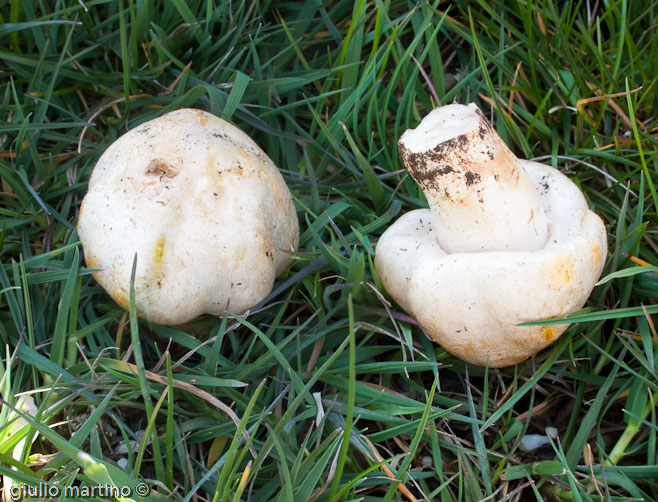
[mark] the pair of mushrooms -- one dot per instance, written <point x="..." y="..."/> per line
<point x="212" y="223"/>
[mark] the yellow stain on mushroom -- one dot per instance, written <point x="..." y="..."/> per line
<point x="548" y="332"/>
<point x="275" y="189"/>
<point x="121" y="298"/>
<point x="91" y="261"/>
<point x="596" y="252"/>
<point x="159" y="251"/>
<point x="158" y="260"/>
<point x="211" y="166"/>
<point x="202" y="119"/>
<point x="559" y="272"/>
<point x="239" y="254"/>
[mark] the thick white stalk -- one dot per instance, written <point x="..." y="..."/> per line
<point x="481" y="197"/>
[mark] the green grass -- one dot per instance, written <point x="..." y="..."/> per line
<point x="320" y="394"/>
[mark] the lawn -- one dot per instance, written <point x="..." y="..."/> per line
<point x="327" y="390"/>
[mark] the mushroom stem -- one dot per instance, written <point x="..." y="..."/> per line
<point x="481" y="197"/>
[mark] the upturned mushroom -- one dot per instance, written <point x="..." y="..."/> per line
<point x="205" y="210"/>
<point x="505" y="241"/>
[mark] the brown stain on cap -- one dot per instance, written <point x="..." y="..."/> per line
<point x="160" y="169"/>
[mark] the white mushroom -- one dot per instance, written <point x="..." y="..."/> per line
<point x="205" y="210"/>
<point x="505" y="241"/>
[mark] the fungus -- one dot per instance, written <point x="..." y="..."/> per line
<point x="205" y="210"/>
<point x="505" y="241"/>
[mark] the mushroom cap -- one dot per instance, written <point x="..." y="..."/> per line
<point x="471" y="303"/>
<point x="205" y="210"/>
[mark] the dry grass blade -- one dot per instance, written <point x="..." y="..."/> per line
<point x="580" y="105"/>
<point x="201" y="394"/>
<point x="403" y="489"/>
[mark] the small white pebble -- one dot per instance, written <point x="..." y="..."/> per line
<point x="551" y="432"/>
<point x="122" y="463"/>
<point x="426" y="462"/>
<point x="122" y="449"/>
<point x="532" y="442"/>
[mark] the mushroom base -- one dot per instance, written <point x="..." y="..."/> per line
<point x="472" y="303"/>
